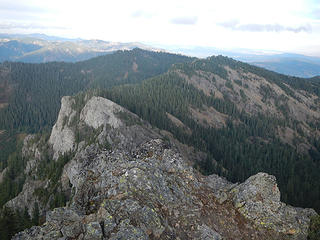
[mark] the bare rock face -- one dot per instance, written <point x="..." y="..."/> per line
<point x="62" y="137"/>
<point x="100" y="111"/>
<point x="2" y="174"/>
<point x="26" y="198"/>
<point x="128" y="183"/>
<point x="258" y="199"/>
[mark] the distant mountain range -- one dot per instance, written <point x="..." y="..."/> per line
<point x="285" y="63"/>
<point x="38" y="48"/>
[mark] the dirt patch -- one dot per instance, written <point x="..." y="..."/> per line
<point x="3" y="105"/>
<point x="135" y="67"/>
<point x="21" y="136"/>
<point x="203" y="81"/>
<point x="286" y="135"/>
<point x="175" y="120"/>
<point x="209" y="117"/>
<point x="125" y="75"/>
<point x="178" y="123"/>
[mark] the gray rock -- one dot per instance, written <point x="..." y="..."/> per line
<point x="109" y="224"/>
<point x="207" y="233"/>
<point x="150" y="222"/>
<point x="220" y="187"/>
<point x="2" y="174"/>
<point x="258" y="199"/>
<point x="26" y="198"/>
<point x="129" y="232"/>
<point x="62" y="137"/>
<point x="99" y="111"/>
<point x="93" y="231"/>
<point x="63" y="215"/>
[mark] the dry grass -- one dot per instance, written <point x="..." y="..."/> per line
<point x="135" y="67"/>
<point x="209" y="117"/>
<point x="178" y="123"/>
<point x="3" y="105"/>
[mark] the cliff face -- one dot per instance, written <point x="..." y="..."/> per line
<point x="126" y="182"/>
<point x="62" y="137"/>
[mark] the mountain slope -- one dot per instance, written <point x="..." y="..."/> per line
<point x="246" y="118"/>
<point x="31" y="93"/>
<point x="122" y="180"/>
<point x="15" y="48"/>
<point x="29" y="84"/>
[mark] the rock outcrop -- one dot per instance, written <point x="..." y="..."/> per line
<point x="26" y="198"/>
<point x="100" y="111"/>
<point x="128" y="183"/>
<point x="62" y="137"/>
<point x="258" y="199"/>
<point x="2" y="174"/>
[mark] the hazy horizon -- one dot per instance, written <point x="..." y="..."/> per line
<point x="279" y="26"/>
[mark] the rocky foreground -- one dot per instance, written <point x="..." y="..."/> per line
<point x="126" y="182"/>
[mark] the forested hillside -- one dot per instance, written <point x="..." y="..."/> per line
<point x="30" y="94"/>
<point x="261" y="122"/>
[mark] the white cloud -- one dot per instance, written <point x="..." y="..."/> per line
<point x="142" y="14"/>
<point x="253" y="27"/>
<point x="184" y="20"/>
<point x="19" y="25"/>
<point x="265" y="24"/>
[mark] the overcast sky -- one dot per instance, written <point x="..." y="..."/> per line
<point x="280" y="25"/>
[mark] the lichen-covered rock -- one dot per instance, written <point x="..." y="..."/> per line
<point x="220" y="187"/>
<point x="130" y="184"/>
<point x="129" y="232"/>
<point x="99" y="111"/>
<point x="206" y="233"/>
<point x="93" y="231"/>
<point x="258" y="199"/>
<point x="26" y="198"/>
<point x="62" y="137"/>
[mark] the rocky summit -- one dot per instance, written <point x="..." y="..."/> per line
<point x="127" y="181"/>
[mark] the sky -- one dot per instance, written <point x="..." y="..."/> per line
<point x="270" y="25"/>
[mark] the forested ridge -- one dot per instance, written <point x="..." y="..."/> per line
<point x="36" y="89"/>
<point x="241" y="150"/>
<point x="153" y="85"/>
